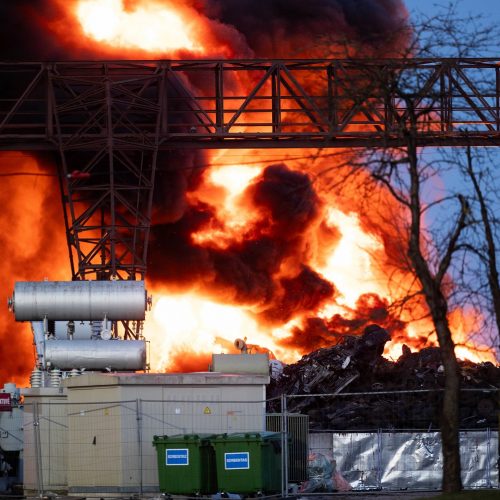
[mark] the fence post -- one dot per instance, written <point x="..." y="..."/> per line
<point x="139" y="439"/>
<point x="488" y="459"/>
<point x="38" y="450"/>
<point x="282" y="428"/>
<point x="284" y="449"/>
<point x="379" y="458"/>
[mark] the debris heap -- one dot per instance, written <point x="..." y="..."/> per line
<point x="363" y="390"/>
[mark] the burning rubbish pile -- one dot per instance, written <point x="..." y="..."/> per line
<point x="356" y="366"/>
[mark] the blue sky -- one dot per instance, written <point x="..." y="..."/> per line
<point x="489" y="9"/>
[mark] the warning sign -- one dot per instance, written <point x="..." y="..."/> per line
<point x="207" y="411"/>
<point x="5" y="402"/>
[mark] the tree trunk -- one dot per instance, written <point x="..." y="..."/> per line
<point x="436" y="300"/>
<point x="450" y="422"/>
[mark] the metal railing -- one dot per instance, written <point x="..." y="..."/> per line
<point x="146" y="105"/>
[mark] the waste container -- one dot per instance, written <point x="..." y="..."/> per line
<point x="248" y="463"/>
<point x="186" y="464"/>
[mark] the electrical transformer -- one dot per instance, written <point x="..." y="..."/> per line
<point x="74" y="326"/>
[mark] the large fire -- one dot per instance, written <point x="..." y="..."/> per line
<point x="249" y="246"/>
<point x="28" y="248"/>
<point x="204" y="319"/>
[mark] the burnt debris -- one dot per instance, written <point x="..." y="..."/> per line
<point x="405" y="394"/>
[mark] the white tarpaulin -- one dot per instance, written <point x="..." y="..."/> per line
<point x="411" y="460"/>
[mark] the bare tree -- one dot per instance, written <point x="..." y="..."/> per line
<point x="431" y="273"/>
<point x="480" y="273"/>
<point x="432" y="246"/>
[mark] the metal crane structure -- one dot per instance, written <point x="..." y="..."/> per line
<point x="107" y="122"/>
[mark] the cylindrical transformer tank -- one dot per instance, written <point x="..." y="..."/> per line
<point x="116" y="355"/>
<point x="79" y="300"/>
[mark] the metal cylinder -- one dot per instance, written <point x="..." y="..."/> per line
<point x="79" y="300"/>
<point x="116" y="355"/>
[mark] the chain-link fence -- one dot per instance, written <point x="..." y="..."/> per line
<point x="369" y="441"/>
<point x="389" y="440"/>
<point x="107" y="447"/>
<point x="389" y="410"/>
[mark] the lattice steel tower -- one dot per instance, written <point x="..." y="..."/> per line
<point x="108" y="121"/>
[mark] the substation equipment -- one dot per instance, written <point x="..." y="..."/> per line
<point x="11" y="437"/>
<point x="74" y="326"/>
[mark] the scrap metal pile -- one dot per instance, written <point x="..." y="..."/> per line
<point x="357" y="366"/>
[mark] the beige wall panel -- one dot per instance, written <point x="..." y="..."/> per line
<point x="95" y="438"/>
<point x="111" y="444"/>
<point x="53" y="440"/>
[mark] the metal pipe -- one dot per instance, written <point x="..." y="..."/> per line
<point x="79" y="300"/>
<point x="126" y="355"/>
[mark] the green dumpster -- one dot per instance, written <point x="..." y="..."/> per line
<point x="186" y="464"/>
<point x="248" y="463"/>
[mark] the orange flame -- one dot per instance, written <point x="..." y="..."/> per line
<point x="353" y="260"/>
<point x="129" y="29"/>
<point x="151" y="26"/>
<point x="359" y="251"/>
<point x="31" y="239"/>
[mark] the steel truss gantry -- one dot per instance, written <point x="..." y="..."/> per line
<point x="109" y="120"/>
